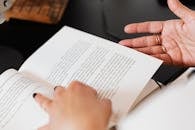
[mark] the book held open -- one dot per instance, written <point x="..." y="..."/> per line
<point x="116" y="72"/>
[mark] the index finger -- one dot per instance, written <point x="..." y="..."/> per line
<point x="145" y="27"/>
<point x="43" y="101"/>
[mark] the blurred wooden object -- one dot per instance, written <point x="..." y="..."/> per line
<point x="44" y="11"/>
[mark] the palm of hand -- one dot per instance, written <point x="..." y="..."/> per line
<point x="172" y="41"/>
<point x="179" y="40"/>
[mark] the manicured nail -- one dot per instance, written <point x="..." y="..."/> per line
<point x="34" y="95"/>
<point x="55" y="88"/>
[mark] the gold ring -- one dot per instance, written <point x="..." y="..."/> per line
<point x="164" y="49"/>
<point x="158" y="39"/>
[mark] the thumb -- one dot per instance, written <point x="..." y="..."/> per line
<point x="181" y="10"/>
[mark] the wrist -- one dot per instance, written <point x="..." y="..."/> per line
<point x="94" y="126"/>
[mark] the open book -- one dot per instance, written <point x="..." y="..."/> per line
<point x="169" y="108"/>
<point x="116" y="72"/>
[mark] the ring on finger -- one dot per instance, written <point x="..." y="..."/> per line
<point x="157" y="38"/>
<point x="164" y="49"/>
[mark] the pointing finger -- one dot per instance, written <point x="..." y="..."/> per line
<point x="43" y="101"/>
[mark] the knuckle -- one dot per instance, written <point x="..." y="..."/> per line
<point x="80" y="87"/>
<point x="59" y="88"/>
<point x="59" y="91"/>
<point x="76" y="85"/>
<point x="46" y="104"/>
<point x="108" y="102"/>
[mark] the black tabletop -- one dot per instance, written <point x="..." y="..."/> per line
<point x="118" y="14"/>
<point x="104" y="18"/>
<point x="28" y="36"/>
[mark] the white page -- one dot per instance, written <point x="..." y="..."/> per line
<point x="172" y="108"/>
<point x="117" y="72"/>
<point x="150" y="87"/>
<point x="18" y="110"/>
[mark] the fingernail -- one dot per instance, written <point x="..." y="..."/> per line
<point x="122" y="43"/>
<point x="55" y="88"/>
<point x="126" y="29"/>
<point x="34" y="95"/>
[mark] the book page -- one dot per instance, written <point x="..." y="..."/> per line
<point x="116" y="72"/>
<point x="169" y="108"/>
<point x="18" y="110"/>
<point x="150" y="87"/>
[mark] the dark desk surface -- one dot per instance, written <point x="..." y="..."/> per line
<point x="27" y="36"/>
<point x="130" y="11"/>
<point x="86" y="15"/>
<point x="99" y="17"/>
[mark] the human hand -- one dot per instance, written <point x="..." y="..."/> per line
<point x="172" y="41"/>
<point x="75" y="108"/>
